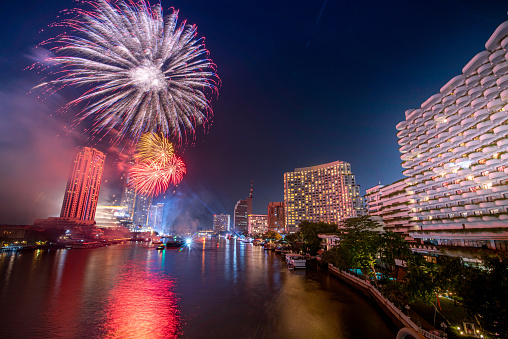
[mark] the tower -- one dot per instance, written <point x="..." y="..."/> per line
<point x="242" y="210"/>
<point x="83" y="186"/>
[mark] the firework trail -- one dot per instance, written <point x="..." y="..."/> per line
<point x="143" y="72"/>
<point x="157" y="166"/>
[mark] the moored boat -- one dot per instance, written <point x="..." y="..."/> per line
<point x="294" y="261"/>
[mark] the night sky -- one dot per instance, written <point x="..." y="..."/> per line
<point x="304" y="82"/>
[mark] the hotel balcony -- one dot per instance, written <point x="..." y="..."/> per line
<point x="495" y="105"/>
<point x="491" y="93"/>
<point x="499" y="116"/>
<point x="478" y="102"/>
<point x="501" y="129"/>
<point x="484" y="70"/>
<point x="499" y="71"/>
<point x="500" y="189"/>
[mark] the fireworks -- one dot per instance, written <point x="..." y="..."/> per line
<point x="157" y="166"/>
<point x="143" y="72"/>
<point x="154" y="147"/>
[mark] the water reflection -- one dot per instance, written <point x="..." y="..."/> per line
<point x="142" y="305"/>
<point x="219" y="289"/>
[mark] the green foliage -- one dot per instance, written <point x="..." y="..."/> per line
<point x="272" y="235"/>
<point x="309" y="234"/>
<point x="484" y="293"/>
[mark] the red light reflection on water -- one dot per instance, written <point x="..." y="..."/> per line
<point x="142" y="305"/>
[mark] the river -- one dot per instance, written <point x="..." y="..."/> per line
<point x="215" y="288"/>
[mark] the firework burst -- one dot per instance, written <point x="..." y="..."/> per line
<point x="157" y="166"/>
<point x="154" y="147"/>
<point x="143" y="72"/>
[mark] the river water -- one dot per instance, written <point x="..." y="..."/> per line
<point x="216" y="288"/>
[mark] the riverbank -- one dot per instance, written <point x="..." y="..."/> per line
<point x="396" y="316"/>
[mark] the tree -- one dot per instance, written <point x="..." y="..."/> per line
<point x="360" y="244"/>
<point x="272" y="235"/>
<point x="484" y="293"/>
<point x="309" y="234"/>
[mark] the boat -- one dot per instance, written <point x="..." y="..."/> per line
<point x="294" y="261"/>
<point x="160" y="247"/>
<point x="175" y="243"/>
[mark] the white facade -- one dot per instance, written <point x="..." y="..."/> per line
<point x="454" y="151"/>
<point x="388" y="205"/>
<point x="325" y="193"/>
<point x="107" y="216"/>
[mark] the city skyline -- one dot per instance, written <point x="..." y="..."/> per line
<point x="297" y="111"/>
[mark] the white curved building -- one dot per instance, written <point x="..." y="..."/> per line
<point x="455" y="154"/>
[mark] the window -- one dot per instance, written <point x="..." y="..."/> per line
<point x="485" y="173"/>
<point x="487" y="186"/>
<point x="500" y="168"/>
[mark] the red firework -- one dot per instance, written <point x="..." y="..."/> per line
<point x="152" y="178"/>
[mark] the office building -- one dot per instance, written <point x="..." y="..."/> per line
<point x="107" y="216"/>
<point x="258" y="224"/>
<point x="141" y="211"/>
<point x="455" y="155"/>
<point x="83" y="185"/>
<point x="325" y="193"/>
<point x="276" y="217"/>
<point x="221" y="223"/>
<point x="155" y="217"/>
<point x="241" y="212"/>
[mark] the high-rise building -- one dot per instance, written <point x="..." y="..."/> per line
<point x="455" y="155"/>
<point x="107" y="216"/>
<point x="258" y="224"/>
<point x="221" y="222"/>
<point x="155" y="217"/>
<point x="141" y="211"/>
<point x="387" y="204"/>
<point x="83" y="186"/>
<point x="276" y="217"/>
<point x="325" y="193"/>
<point x="128" y="199"/>
<point x="242" y="210"/>
<point x="137" y="207"/>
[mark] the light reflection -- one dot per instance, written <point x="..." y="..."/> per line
<point x="142" y="305"/>
<point x="60" y="263"/>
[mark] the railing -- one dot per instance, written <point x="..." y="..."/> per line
<point x="404" y="319"/>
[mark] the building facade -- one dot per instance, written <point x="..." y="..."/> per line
<point x="128" y="199"/>
<point x="141" y="211"/>
<point x="325" y="193"/>
<point x="242" y="210"/>
<point x="455" y="155"/>
<point x="276" y="217"/>
<point x="83" y="185"/>
<point x="221" y="223"/>
<point x="388" y="205"/>
<point x="107" y="216"/>
<point x="155" y="217"/>
<point x="258" y="224"/>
